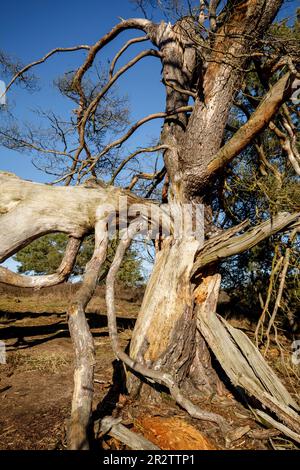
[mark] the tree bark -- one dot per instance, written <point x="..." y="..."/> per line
<point x="168" y="308"/>
<point x="166" y="344"/>
<point x="195" y="142"/>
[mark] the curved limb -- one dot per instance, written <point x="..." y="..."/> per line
<point x="133" y="23"/>
<point x="62" y="273"/>
<point x="156" y="177"/>
<point x="43" y="59"/>
<point x="123" y="49"/>
<point x="121" y="140"/>
<point x="94" y="103"/>
<point x="134" y="154"/>
<point x="225" y="245"/>
<point x="91" y="109"/>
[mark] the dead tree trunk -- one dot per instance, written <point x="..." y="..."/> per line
<point x="192" y="161"/>
<point x="178" y="314"/>
<point x="171" y="301"/>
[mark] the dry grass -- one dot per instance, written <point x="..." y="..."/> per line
<point x="57" y="298"/>
<point x="44" y="362"/>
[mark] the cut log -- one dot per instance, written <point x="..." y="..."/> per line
<point x="173" y="434"/>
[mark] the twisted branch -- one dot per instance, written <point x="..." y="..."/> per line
<point x="62" y="273"/>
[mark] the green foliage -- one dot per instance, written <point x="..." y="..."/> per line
<point x="44" y="255"/>
<point x="255" y="186"/>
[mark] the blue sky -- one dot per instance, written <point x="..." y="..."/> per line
<point x="32" y="28"/>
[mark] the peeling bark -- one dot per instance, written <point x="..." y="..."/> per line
<point x="242" y="361"/>
<point x="177" y="319"/>
<point x="168" y="308"/>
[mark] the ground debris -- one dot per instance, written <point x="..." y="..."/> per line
<point x="173" y="434"/>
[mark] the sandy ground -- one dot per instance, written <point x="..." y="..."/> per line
<point x="36" y="383"/>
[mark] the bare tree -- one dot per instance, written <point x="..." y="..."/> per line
<point x="207" y="54"/>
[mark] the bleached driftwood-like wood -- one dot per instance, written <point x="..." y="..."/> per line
<point x="114" y="428"/>
<point x="84" y="345"/>
<point x="29" y="210"/>
<point x="260" y="367"/>
<point x="242" y="362"/>
<point x="159" y="376"/>
<point x="64" y="270"/>
<point x="167" y="299"/>
<point x="275" y="424"/>
<point x="228" y="244"/>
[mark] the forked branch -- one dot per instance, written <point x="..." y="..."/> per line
<point x="122" y="50"/>
<point x="88" y="166"/>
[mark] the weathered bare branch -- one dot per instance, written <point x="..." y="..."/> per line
<point x="83" y="343"/>
<point x="62" y="273"/>
<point x="146" y="176"/>
<point x="134" y="154"/>
<point x="37" y="209"/>
<point x="260" y="118"/>
<point x="234" y="245"/>
<point x="133" y="23"/>
<point x="121" y="140"/>
<point x="114" y="428"/>
<point x="122" y="50"/>
<point x="287" y="142"/>
<point x="94" y="103"/>
<point x="43" y="59"/>
<point x="32" y="146"/>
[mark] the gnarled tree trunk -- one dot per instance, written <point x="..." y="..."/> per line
<point x="178" y="320"/>
<point x="192" y="161"/>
